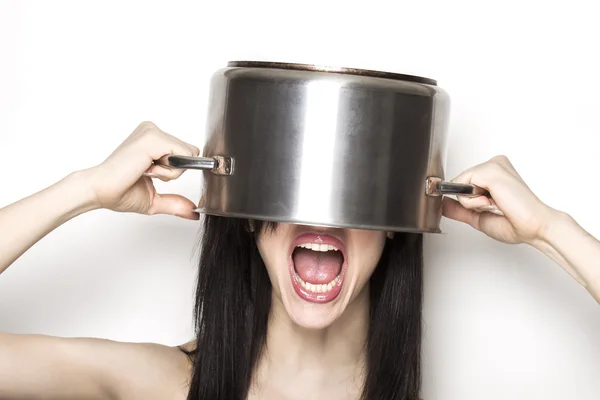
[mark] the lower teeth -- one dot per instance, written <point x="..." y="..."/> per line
<point x="318" y="288"/>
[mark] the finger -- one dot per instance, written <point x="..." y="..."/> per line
<point x="480" y="204"/>
<point x="475" y="217"/>
<point x="193" y="150"/>
<point x="474" y="203"/>
<point x="160" y="143"/>
<point x="492" y="165"/>
<point x="493" y="175"/>
<point x="163" y="173"/>
<point x="174" y="204"/>
<point x="454" y="210"/>
<point x="493" y="208"/>
<point x="486" y="176"/>
<point x="177" y="148"/>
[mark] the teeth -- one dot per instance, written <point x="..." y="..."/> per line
<point x="318" y="247"/>
<point x="318" y="288"/>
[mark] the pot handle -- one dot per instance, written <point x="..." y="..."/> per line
<point x="437" y="187"/>
<point x="218" y="165"/>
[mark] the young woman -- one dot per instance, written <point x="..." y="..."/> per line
<point x="283" y="311"/>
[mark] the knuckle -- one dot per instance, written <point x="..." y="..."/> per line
<point x="150" y="129"/>
<point x="506" y="164"/>
<point x="146" y="125"/>
<point x="501" y="159"/>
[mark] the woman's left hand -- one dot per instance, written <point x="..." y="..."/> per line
<point x="513" y="214"/>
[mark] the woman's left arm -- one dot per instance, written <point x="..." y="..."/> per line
<point x="574" y="249"/>
<point x="515" y="215"/>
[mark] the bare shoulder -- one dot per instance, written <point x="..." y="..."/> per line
<point x="38" y="366"/>
<point x="188" y="347"/>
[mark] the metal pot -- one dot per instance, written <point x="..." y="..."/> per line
<point x="315" y="145"/>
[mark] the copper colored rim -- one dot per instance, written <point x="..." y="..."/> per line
<point x="339" y="70"/>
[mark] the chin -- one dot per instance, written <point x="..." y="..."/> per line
<point x="312" y="315"/>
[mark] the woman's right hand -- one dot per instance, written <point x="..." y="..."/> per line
<point x="123" y="181"/>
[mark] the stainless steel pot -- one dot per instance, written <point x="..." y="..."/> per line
<point x="325" y="146"/>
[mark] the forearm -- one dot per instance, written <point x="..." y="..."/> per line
<point x="574" y="249"/>
<point x="25" y="222"/>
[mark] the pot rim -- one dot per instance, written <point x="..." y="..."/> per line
<point x="332" y="69"/>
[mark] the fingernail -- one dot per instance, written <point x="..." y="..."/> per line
<point x="496" y="211"/>
<point x="150" y="174"/>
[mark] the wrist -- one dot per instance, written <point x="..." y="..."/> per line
<point x="574" y="249"/>
<point x="78" y="193"/>
<point x="556" y="225"/>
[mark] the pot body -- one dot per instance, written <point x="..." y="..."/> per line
<point x="329" y="148"/>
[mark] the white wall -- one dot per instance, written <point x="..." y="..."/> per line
<point x="503" y="322"/>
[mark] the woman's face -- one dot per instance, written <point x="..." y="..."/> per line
<point x="317" y="272"/>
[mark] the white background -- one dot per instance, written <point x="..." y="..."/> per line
<point x="502" y="322"/>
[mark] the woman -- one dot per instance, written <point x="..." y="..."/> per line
<point x="283" y="311"/>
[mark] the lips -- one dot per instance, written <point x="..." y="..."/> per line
<point x="317" y="266"/>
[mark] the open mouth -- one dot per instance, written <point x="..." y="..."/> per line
<point x="317" y="267"/>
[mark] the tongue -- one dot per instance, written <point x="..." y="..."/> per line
<point x="316" y="266"/>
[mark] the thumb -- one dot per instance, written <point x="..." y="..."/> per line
<point x="174" y="204"/>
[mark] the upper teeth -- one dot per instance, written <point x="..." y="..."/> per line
<point x="318" y="246"/>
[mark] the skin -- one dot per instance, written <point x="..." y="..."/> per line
<point x="312" y="349"/>
<point x="318" y="343"/>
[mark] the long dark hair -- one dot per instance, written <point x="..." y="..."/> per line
<point x="233" y="300"/>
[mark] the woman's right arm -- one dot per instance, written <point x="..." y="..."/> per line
<point x="25" y="222"/>
<point x="119" y="184"/>
<point x="36" y="366"/>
